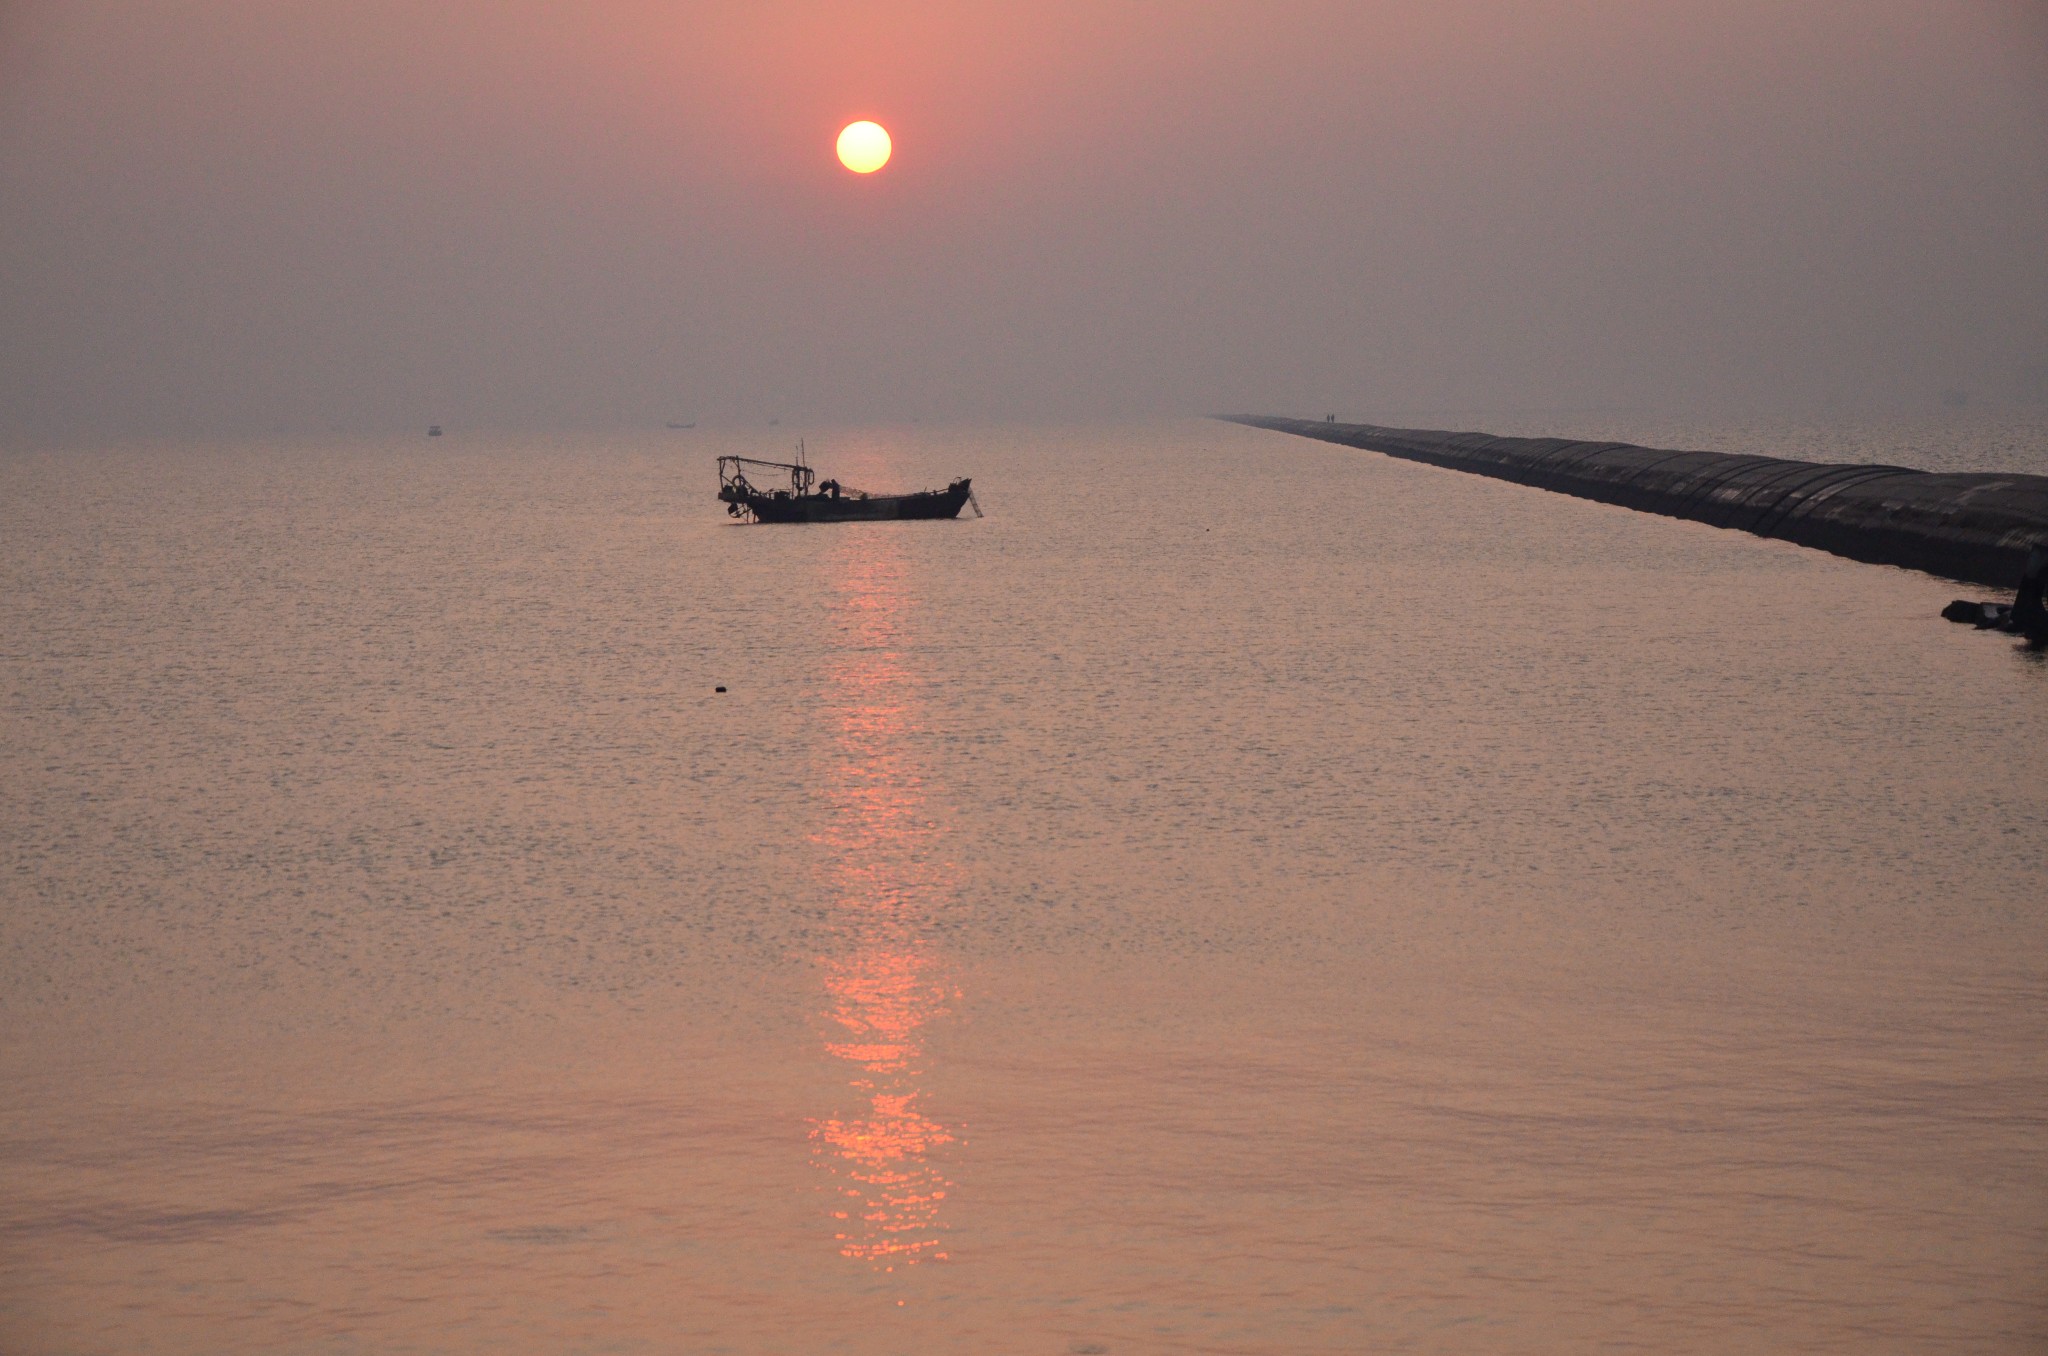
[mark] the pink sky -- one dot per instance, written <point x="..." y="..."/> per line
<point x="219" y="215"/>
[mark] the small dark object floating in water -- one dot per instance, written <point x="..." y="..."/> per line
<point x="433" y="430"/>
<point x="2023" y="616"/>
<point x="673" y="424"/>
<point x="805" y="500"/>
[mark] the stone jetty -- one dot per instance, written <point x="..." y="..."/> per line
<point x="1976" y="527"/>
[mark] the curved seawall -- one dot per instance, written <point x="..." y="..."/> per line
<point x="1971" y="527"/>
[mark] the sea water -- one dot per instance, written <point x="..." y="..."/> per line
<point x="1240" y="895"/>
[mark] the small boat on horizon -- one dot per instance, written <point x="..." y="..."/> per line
<point x="807" y="500"/>
<point x="433" y="430"/>
<point x="673" y="424"/>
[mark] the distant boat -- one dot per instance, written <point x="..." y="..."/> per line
<point x="691" y="424"/>
<point x="433" y="430"/>
<point x="807" y="500"/>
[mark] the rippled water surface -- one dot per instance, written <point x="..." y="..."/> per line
<point x="1242" y="895"/>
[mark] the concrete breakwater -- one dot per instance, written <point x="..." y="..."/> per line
<point x="1975" y="527"/>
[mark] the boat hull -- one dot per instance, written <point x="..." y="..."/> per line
<point x="826" y="508"/>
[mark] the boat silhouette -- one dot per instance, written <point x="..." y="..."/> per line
<point x="806" y="499"/>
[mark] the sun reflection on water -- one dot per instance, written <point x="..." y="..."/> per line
<point x="883" y="977"/>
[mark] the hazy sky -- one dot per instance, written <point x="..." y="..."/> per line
<point x="246" y="214"/>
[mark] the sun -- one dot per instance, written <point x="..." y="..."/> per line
<point x="863" y="147"/>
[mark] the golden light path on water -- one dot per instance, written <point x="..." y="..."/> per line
<point x="884" y="980"/>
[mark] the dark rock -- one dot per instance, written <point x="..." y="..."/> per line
<point x="1969" y="613"/>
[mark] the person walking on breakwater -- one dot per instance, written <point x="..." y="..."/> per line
<point x="2029" y="616"/>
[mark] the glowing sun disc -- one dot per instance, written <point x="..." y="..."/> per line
<point x="863" y="147"/>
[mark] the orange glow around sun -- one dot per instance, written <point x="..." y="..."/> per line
<point x="863" y="147"/>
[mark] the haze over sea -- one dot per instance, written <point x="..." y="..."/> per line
<point x="1242" y="895"/>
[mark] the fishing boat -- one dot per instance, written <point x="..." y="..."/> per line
<point x="806" y="499"/>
